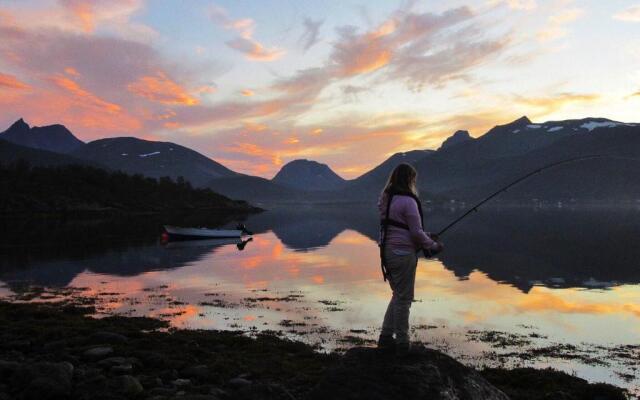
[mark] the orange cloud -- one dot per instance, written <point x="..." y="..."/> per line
<point x="84" y="95"/>
<point x="11" y="82"/>
<point x="247" y="92"/>
<point x="549" y="104"/>
<point x="245" y="42"/>
<point x="161" y="89"/>
<point x="253" y="50"/>
<point x="84" y="12"/>
<point x="71" y="71"/>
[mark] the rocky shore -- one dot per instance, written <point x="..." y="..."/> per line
<point x="55" y="351"/>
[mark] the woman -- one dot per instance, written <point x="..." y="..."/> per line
<point x="401" y="238"/>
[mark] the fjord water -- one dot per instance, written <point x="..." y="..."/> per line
<point x="535" y="277"/>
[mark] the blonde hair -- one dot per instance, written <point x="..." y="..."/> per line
<point x="402" y="179"/>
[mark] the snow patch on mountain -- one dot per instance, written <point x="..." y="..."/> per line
<point x="555" y="128"/>
<point x="595" y="125"/>
<point x="149" y="154"/>
<point x="534" y="126"/>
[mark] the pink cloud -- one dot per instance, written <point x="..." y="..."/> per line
<point x="245" y="42"/>
<point x="11" y="82"/>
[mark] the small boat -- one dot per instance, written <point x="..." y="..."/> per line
<point x="178" y="233"/>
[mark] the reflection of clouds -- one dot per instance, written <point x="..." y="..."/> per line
<point x="347" y="270"/>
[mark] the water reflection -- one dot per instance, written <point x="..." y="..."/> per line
<point x="568" y="276"/>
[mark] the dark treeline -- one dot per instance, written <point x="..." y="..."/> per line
<point x="79" y="188"/>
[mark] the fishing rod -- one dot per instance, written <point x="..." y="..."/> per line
<point x="515" y="182"/>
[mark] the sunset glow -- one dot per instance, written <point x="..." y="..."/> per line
<point x="256" y="85"/>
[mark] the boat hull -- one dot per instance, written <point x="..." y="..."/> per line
<point x="178" y="233"/>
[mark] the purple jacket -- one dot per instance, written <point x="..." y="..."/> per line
<point x="404" y="209"/>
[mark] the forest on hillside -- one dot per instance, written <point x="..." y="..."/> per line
<point x="80" y="188"/>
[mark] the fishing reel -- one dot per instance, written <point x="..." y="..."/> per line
<point x="429" y="253"/>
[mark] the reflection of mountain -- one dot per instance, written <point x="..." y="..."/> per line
<point x="556" y="248"/>
<point x="121" y="262"/>
<point x="308" y="228"/>
<point x="54" y="251"/>
<point x="520" y="246"/>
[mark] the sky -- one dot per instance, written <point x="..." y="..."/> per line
<point x="256" y="84"/>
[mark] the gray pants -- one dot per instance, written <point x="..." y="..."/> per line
<point x="402" y="278"/>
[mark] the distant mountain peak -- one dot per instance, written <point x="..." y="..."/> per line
<point x="56" y="138"/>
<point x="308" y="175"/>
<point x="458" y="137"/>
<point x="524" y="120"/>
<point x="19" y="126"/>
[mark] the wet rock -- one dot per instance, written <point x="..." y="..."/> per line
<point x="264" y="391"/>
<point x="161" y="391"/>
<point x="108" y="337"/>
<point x="122" y="369"/>
<point x="126" y="385"/>
<point x="150" y="381"/>
<point x="239" y="382"/>
<point x="7" y="369"/>
<point x="44" y="380"/>
<point x="423" y="374"/>
<point x="56" y="345"/>
<point x="112" y="361"/>
<point x="20" y="345"/>
<point x="199" y="372"/>
<point x="98" y="352"/>
<point x="181" y="382"/>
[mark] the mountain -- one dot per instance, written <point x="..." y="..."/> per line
<point x="153" y="159"/>
<point x="258" y="190"/>
<point x="81" y="188"/>
<point x="369" y="184"/>
<point x="11" y="153"/>
<point x="455" y="139"/>
<point x="308" y="175"/>
<point x="55" y="138"/>
<point x="476" y="168"/>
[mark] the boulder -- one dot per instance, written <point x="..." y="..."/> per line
<point x="98" y="352"/>
<point x="44" y="380"/>
<point x="368" y="373"/>
<point x="126" y="385"/>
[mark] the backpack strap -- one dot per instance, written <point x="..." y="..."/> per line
<point x="386" y="222"/>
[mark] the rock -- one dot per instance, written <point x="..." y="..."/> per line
<point x="7" y="369"/>
<point x="200" y="372"/>
<point x="200" y="397"/>
<point x="112" y="361"/>
<point x="239" y="382"/>
<point x="98" y="352"/>
<point x="122" y="369"/>
<point x="18" y="345"/>
<point x="424" y="374"/>
<point x="181" y="382"/>
<point x="55" y="345"/>
<point x="148" y="381"/>
<point x="126" y="385"/>
<point x="264" y="391"/>
<point x="161" y="391"/>
<point x="108" y="337"/>
<point x="44" y="380"/>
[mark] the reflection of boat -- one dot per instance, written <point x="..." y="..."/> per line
<point x="178" y="233"/>
<point x="200" y="243"/>
<point x="240" y="244"/>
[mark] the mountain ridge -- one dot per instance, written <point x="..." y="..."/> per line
<point x="308" y="175"/>
<point x="56" y="137"/>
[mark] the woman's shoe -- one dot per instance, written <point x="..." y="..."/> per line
<point x="403" y="349"/>
<point x="386" y="342"/>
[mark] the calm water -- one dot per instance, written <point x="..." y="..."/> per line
<point x="510" y="283"/>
